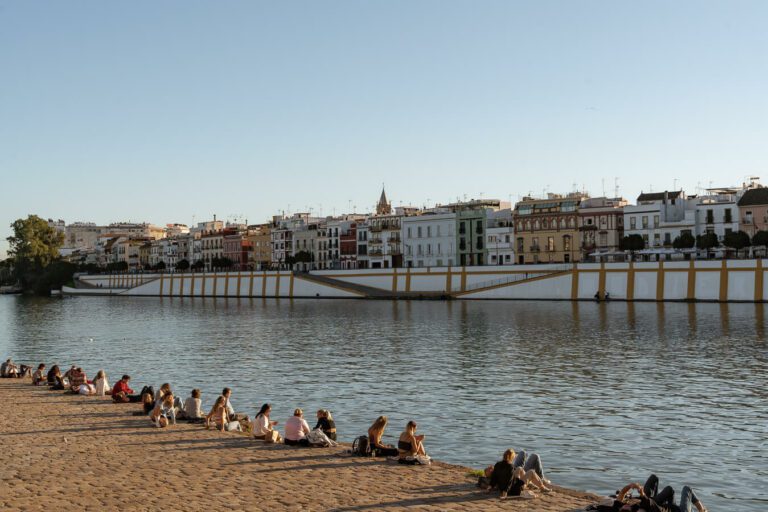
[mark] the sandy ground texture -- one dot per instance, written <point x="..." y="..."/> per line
<point x="73" y="452"/>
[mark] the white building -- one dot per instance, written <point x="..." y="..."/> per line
<point x="717" y="212"/>
<point x="660" y="217"/>
<point x="429" y="239"/>
<point x="501" y="237"/>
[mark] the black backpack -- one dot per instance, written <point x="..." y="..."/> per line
<point x="361" y="447"/>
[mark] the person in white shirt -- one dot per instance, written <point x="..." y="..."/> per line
<point x="102" y="384"/>
<point x="262" y="426"/>
<point x="193" y="411"/>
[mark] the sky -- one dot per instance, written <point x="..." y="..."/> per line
<point x="174" y="111"/>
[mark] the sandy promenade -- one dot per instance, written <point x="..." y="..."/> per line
<point x="62" y="450"/>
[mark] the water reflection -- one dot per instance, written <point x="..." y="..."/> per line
<point x="606" y="392"/>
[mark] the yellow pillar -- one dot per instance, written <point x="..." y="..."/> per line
<point x="250" y="286"/>
<point x="408" y="280"/>
<point x="264" y="284"/>
<point x="463" y="279"/>
<point x="215" y="283"/>
<point x="394" y="280"/>
<point x="575" y="282"/>
<point x="161" y="284"/>
<point x="601" y="281"/>
<point x="192" y="285"/>
<point x="170" y="286"/>
<point x="724" y="281"/>
<point x="448" y="280"/>
<point x="660" y="281"/>
<point x="202" y="288"/>
<point x="181" y="285"/>
<point x="290" y="287"/>
<point x="239" y="277"/>
<point x="226" y="284"/>
<point x="277" y="284"/>
<point x="759" y="281"/>
<point x="631" y="281"/>
<point x="691" y="281"/>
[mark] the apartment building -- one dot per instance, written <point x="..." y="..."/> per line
<point x="546" y="230"/>
<point x="601" y="227"/>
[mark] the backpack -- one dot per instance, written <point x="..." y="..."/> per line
<point x="361" y="447"/>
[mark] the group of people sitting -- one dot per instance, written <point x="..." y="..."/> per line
<point x="10" y="370"/>
<point x="517" y="474"/>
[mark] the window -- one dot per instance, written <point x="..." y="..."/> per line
<point x="632" y="223"/>
<point x="550" y="244"/>
<point x="429" y="248"/>
<point x="462" y="244"/>
<point x="439" y="249"/>
<point x="655" y="221"/>
<point x="418" y="231"/>
<point x="520" y="245"/>
<point x="589" y="222"/>
<point x="536" y="225"/>
<point x="562" y="223"/>
<point x="462" y="228"/>
<point x="479" y="228"/>
<point x="535" y="243"/>
<point x="506" y="239"/>
<point x="479" y="243"/>
<point x="645" y="222"/>
<point x="429" y="231"/>
<point x="544" y="224"/>
<point x="602" y="239"/>
<point x="728" y="217"/>
<point x="567" y="243"/>
<point x="710" y="216"/>
<point x="656" y="239"/>
<point x="667" y="239"/>
<point x="409" y="232"/>
<point x="438" y="230"/>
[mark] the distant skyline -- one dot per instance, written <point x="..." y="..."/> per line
<point x="173" y="111"/>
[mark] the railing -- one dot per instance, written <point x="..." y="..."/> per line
<point x="518" y="277"/>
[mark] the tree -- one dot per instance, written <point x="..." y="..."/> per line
<point x="33" y="246"/>
<point x="632" y="243"/>
<point x="198" y="265"/>
<point x="760" y="239"/>
<point x="684" y="241"/>
<point x="160" y="265"/>
<point x="737" y="240"/>
<point x="706" y="242"/>
<point x="117" y="266"/>
<point x="182" y="265"/>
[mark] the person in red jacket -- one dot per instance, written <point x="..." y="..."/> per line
<point x="121" y="392"/>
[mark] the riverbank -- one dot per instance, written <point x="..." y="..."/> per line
<point x="89" y="452"/>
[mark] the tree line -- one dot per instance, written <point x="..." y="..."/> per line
<point x="734" y="240"/>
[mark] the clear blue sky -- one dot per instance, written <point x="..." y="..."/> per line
<point x="165" y="111"/>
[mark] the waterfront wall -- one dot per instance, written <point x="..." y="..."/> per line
<point x="726" y="281"/>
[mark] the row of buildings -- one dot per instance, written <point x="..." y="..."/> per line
<point x="556" y="229"/>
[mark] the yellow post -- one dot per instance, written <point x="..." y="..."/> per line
<point x="290" y="287"/>
<point x="277" y="284"/>
<point x="226" y="284"/>
<point x="202" y="288"/>
<point x="463" y="279"/>
<point x="601" y="281"/>
<point x="250" y="286"/>
<point x="239" y="276"/>
<point x="161" y="284"/>
<point x="691" y="281"/>
<point x="660" y="281"/>
<point x="759" y="281"/>
<point x="192" y="285"/>
<point x="724" y="281"/>
<point x="264" y="284"/>
<point x="575" y="282"/>
<point x="215" y="283"/>
<point x="394" y="280"/>
<point x="448" y="280"/>
<point x="631" y="281"/>
<point x="181" y="285"/>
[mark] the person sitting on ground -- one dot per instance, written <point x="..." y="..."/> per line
<point x="410" y="446"/>
<point x="122" y="393"/>
<point x="102" y="384"/>
<point x="77" y="378"/>
<point x="9" y="369"/>
<point x="649" y="500"/>
<point x="164" y="390"/>
<point x="375" y="433"/>
<point x="218" y="416"/>
<point x="86" y="389"/>
<point x="509" y="480"/>
<point x="296" y="429"/>
<point x="193" y="408"/>
<point x="68" y="375"/>
<point x="532" y="461"/>
<point x="262" y="425"/>
<point x="39" y="378"/>
<point x="55" y="379"/>
<point x="326" y="424"/>
<point x="231" y="414"/>
<point x="164" y="413"/>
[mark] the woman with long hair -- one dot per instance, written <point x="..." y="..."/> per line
<point x="262" y="425"/>
<point x="375" y="433"/>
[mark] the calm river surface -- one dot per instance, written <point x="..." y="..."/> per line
<point x="606" y="393"/>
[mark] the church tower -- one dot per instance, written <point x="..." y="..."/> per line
<point x="383" y="207"/>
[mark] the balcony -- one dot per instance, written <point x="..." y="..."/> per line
<point x="747" y="220"/>
<point x="534" y="248"/>
<point x="375" y="252"/>
<point x="375" y="228"/>
<point x="374" y="241"/>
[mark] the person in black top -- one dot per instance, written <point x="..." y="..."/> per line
<point x="326" y="424"/>
<point x="509" y="480"/>
<point x="651" y="501"/>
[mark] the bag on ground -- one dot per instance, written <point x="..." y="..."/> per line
<point x="361" y="447"/>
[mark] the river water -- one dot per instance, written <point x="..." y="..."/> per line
<point x="606" y="393"/>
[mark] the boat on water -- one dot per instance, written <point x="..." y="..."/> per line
<point x="8" y="290"/>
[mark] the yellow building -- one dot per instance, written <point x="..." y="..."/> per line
<point x="260" y="236"/>
<point x="546" y="230"/>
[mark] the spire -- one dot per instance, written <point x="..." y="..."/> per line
<point x="383" y="207"/>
